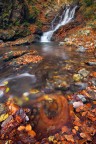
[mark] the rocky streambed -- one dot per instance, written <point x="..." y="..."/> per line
<point x="50" y="94"/>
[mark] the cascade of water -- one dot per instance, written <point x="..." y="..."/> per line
<point x="65" y="18"/>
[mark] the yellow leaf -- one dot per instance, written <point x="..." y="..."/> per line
<point x="5" y="82"/>
<point x="7" y="90"/>
<point x="51" y="138"/>
<point x="3" y="117"/>
<point x="34" y="91"/>
<point x="47" y="98"/>
<point x="26" y="98"/>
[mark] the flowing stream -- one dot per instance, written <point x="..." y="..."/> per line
<point x="66" y="17"/>
<point x="42" y="86"/>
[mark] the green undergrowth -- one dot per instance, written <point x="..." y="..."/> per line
<point x="88" y="9"/>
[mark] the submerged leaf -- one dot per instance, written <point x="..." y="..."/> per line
<point x="3" y="117"/>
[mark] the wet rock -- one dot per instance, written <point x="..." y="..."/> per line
<point x="83" y="72"/>
<point x="75" y="88"/>
<point x="14" y="33"/>
<point x="37" y="38"/>
<point x="25" y="94"/>
<point x="94" y="81"/>
<point x="87" y="32"/>
<point x="1" y="93"/>
<point x="61" y="43"/>
<point x="77" y="104"/>
<point x="11" y="54"/>
<point x="2" y="108"/>
<point x="48" y="90"/>
<point x="1" y="41"/>
<point x="7" y="34"/>
<point x="91" y="63"/>
<point x="62" y="86"/>
<point x="26" y="40"/>
<point x="66" y="39"/>
<point x="81" y="49"/>
<point x="82" y="98"/>
<point x="38" y="32"/>
<point x="92" y="93"/>
<point x="81" y="85"/>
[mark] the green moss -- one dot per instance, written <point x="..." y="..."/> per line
<point x="39" y="23"/>
<point x="88" y="2"/>
<point x="33" y="14"/>
<point x="88" y="9"/>
<point x="26" y="24"/>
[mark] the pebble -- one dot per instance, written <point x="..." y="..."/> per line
<point x="66" y="39"/>
<point x="81" y="85"/>
<point x="61" y="43"/>
<point x="81" y="97"/>
<point x="27" y="118"/>
<point x="1" y="41"/>
<point x="1" y="93"/>
<point x="81" y="49"/>
<point x="77" y="104"/>
<point x="94" y="82"/>
<point x="26" y="94"/>
<point x="83" y="72"/>
<point x="2" y="108"/>
<point x="47" y="90"/>
<point x="91" y="63"/>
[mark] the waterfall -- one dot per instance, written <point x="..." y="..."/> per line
<point x="65" y="18"/>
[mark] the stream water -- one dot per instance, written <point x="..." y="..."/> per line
<point x="43" y="86"/>
<point x="22" y="77"/>
<point x="57" y="61"/>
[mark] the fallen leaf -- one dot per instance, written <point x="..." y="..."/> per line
<point x="3" y="117"/>
<point x="64" y="129"/>
<point x="32" y="133"/>
<point x="28" y="127"/>
<point x="69" y="138"/>
<point x="21" y="128"/>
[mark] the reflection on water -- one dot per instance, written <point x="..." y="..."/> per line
<point x="50" y="50"/>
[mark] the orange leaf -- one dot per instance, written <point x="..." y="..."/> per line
<point x="83" y="135"/>
<point x="32" y="133"/>
<point x="28" y="127"/>
<point x="21" y="128"/>
<point x="69" y="138"/>
<point x="64" y="129"/>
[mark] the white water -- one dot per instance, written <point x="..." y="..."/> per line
<point x="24" y="75"/>
<point x="66" y="17"/>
